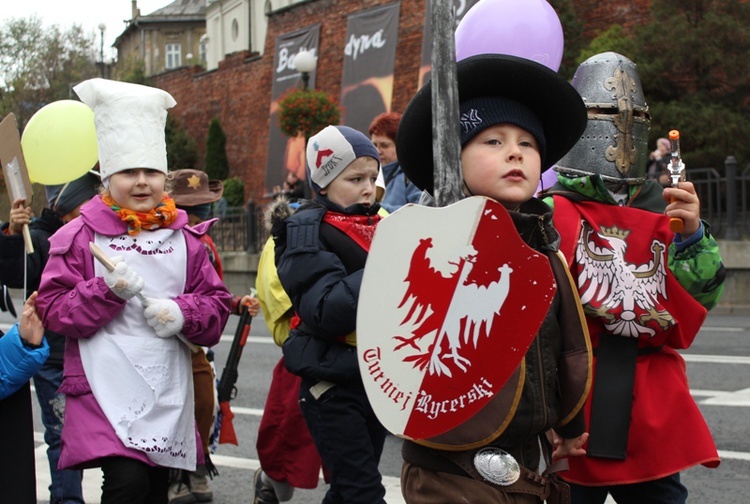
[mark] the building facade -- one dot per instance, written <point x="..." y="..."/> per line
<point x="238" y="90"/>
<point x="237" y="25"/>
<point x="166" y="39"/>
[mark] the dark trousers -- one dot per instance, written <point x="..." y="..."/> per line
<point x="128" y="481"/>
<point x="667" y="490"/>
<point x="66" y="483"/>
<point x="17" y="469"/>
<point x="350" y="441"/>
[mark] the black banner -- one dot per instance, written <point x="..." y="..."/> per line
<point x="369" y="58"/>
<point x="287" y="154"/>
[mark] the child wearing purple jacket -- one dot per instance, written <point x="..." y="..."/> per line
<point x="128" y="375"/>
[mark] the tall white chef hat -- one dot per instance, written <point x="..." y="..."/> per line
<point x="129" y="120"/>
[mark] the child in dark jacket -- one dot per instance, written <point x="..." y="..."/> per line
<point x="517" y="116"/>
<point x="23" y="350"/>
<point x="320" y="253"/>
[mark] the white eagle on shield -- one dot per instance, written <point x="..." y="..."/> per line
<point x="625" y="295"/>
<point x="455" y="310"/>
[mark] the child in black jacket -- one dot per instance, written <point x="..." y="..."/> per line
<point x="320" y="253"/>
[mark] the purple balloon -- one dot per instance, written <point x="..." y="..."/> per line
<point x="529" y="29"/>
<point x="548" y="179"/>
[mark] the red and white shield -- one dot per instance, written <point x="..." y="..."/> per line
<point x="450" y="301"/>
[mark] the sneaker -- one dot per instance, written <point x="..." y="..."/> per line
<point x="200" y="489"/>
<point x="264" y="493"/>
<point x="179" y="493"/>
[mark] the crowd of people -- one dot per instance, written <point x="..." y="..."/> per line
<point x="125" y="298"/>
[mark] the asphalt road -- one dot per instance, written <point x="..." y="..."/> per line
<point x="718" y="366"/>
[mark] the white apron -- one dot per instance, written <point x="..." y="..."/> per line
<point x="143" y="383"/>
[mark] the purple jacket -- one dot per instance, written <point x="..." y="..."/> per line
<point x="74" y="302"/>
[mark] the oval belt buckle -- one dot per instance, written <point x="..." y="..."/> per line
<point x="497" y="466"/>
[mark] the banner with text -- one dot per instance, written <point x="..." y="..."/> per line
<point x="287" y="154"/>
<point x="369" y="58"/>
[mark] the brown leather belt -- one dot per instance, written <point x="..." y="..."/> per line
<point x="546" y="486"/>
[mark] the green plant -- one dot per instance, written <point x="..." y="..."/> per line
<point x="234" y="192"/>
<point x="181" y="149"/>
<point x="217" y="163"/>
<point x="306" y="112"/>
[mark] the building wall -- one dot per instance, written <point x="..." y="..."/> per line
<point x="228" y="29"/>
<point x="148" y="41"/>
<point x="238" y="91"/>
<point x="250" y="17"/>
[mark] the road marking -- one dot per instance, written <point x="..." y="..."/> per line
<point x="706" y="393"/>
<point x="726" y="454"/>
<point x="720" y="398"/>
<point x="251" y="339"/>
<point x="724" y="329"/>
<point x="716" y="359"/>
<point x="247" y="411"/>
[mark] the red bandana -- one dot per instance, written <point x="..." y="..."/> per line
<point x="360" y="228"/>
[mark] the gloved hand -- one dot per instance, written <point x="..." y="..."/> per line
<point x="165" y="316"/>
<point x="124" y="282"/>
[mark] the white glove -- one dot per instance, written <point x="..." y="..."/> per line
<point x="123" y="281"/>
<point x="165" y="316"/>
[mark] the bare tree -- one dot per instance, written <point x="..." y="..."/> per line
<point x="39" y="65"/>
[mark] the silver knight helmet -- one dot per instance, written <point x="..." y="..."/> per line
<point x="615" y="142"/>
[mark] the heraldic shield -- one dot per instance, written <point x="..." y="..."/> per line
<point x="450" y="302"/>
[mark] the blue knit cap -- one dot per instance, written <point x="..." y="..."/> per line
<point x="333" y="149"/>
<point x="65" y="198"/>
<point x="478" y="114"/>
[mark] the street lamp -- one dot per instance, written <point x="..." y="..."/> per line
<point x="102" y="27"/>
<point x="305" y="62"/>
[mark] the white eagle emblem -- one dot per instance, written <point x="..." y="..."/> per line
<point x="451" y="308"/>
<point x="626" y="296"/>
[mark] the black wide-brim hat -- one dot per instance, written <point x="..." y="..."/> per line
<point x="556" y="103"/>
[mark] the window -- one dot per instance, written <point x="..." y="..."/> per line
<point x="202" y="47"/>
<point x="173" y="54"/>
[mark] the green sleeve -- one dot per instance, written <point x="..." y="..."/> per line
<point x="699" y="269"/>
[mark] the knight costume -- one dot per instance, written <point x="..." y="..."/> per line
<point x="645" y="290"/>
<point x="553" y="387"/>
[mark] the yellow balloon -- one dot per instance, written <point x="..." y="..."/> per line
<point x="59" y="142"/>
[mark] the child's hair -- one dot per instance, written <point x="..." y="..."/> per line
<point x="385" y="124"/>
<point x="502" y="88"/>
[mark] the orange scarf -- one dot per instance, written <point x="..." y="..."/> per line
<point x="162" y="215"/>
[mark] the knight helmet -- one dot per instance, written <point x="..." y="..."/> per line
<point x="615" y="142"/>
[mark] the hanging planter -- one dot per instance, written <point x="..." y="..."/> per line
<point x="306" y="112"/>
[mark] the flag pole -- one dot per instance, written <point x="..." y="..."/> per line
<point x="446" y="146"/>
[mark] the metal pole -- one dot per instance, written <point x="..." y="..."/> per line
<point x="101" y="47"/>
<point x="446" y="146"/>
<point x="250" y="228"/>
<point x="730" y="164"/>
